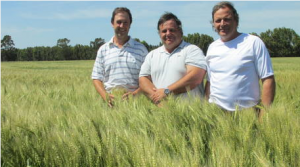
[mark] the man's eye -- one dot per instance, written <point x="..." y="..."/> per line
<point x="120" y="22"/>
<point x="227" y="19"/>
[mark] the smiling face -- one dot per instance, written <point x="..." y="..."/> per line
<point x="121" y="24"/>
<point x="225" y="24"/>
<point x="170" y="35"/>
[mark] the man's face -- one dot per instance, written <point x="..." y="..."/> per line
<point x="121" y="24"/>
<point x="170" y="35"/>
<point x="225" y="24"/>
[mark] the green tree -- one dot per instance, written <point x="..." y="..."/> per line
<point x="83" y="52"/>
<point x="21" y="55"/>
<point x="201" y="40"/>
<point x="282" y="42"/>
<point x="148" y="46"/>
<point x="254" y="33"/>
<point x="8" y="50"/>
<point x="63" y="42"/>
<point x="57" y="51"/>
<point x="7" y="43"/>
<point x="65" y="51"/>
<point x="97" y="43"/>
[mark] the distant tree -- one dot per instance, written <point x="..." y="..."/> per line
<point x="83" y="52"/>
<point x="205" y="41"/>
<point x="137" y="39"/>
<point x="269" y="42"/>
<point x="57" y="51"/>
<point x="254" y="33"/>
<point x="7" y="43"/>
<point x="63" y="42"/>
<point x="42" y="53"/>
<point x="25" y="54"/>
<point x="201" y="40"/>
<point x="282" y="42"/>
<point x="64" y="50"/>
<point x="97" y="43"/>
<point x="8" y="50"/>
<point x="148" y="46"/>
<point x="152" y="47"/>
<point x="21" y="55"/>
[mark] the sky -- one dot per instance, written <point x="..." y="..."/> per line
<point x="42" y="23"/>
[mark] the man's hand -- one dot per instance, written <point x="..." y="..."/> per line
<point x="110" y="100"/>
<point x="158" y="95"/>
<point x="127" y="94"/>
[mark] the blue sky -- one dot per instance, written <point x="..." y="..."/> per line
<point x="42" y="23"/>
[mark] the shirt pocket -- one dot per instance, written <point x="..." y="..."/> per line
<point x="133" y="64"/>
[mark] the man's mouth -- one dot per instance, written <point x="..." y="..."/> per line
<point x="222" y="30"/>
<point x="122" y="30"/>
<point x="169" y="39"/>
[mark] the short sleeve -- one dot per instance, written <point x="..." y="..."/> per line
<point x="263" y="62"/>
<point x="98" y="69"/>
<point x="195" y="57"/>
<point x="146" y="66"/>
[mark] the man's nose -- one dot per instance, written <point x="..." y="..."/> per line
<point x="223" y="22"/>
<point x="168" y="32"/>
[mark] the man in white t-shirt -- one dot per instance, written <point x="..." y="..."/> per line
<point x="236" y="62"/>
<point x="176" y="67"/>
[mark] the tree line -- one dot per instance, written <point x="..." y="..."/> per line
<point x="281" y="42"/>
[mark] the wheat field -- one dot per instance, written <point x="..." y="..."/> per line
<point x="51" y="115"/>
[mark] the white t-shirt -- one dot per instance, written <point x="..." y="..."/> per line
<point x="167" y="68"/>
<point x="234" y="70"/>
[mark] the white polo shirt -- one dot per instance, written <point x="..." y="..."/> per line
<point x="119" y="67"/>
<point x="167" y="68"/>
<point x="234" y="70"/>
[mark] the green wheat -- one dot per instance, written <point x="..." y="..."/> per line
<point x="51" y="115"/>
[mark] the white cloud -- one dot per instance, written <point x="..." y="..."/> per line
<point x="15" y="30"/>
<point x="79" y="14"/>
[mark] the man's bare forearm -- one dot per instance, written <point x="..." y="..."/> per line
<point x="100" y="88"/>
<point x="207" y="90"/>
<point x="146" y="85"/>
<point x="193" y="78"/>
<point x="268" y="91"/>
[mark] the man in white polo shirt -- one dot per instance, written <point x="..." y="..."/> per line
<point x="236" y="63"/>
<point x="118" y="61"/>
<point x="177" y="67"/>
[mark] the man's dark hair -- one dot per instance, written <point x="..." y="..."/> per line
<point x="229" y="5"/>
<point x="169" y="16"/>
<point x="121" y="10"/>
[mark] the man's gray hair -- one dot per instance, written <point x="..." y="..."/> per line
<point x="225" y="4"/>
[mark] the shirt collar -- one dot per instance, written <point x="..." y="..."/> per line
<point x="181" y="45"/>
<point x="130" y="42"/>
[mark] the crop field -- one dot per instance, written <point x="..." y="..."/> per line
<point x="51" y="115"/>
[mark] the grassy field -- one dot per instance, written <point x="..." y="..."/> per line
<point x="51" y="115"/>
